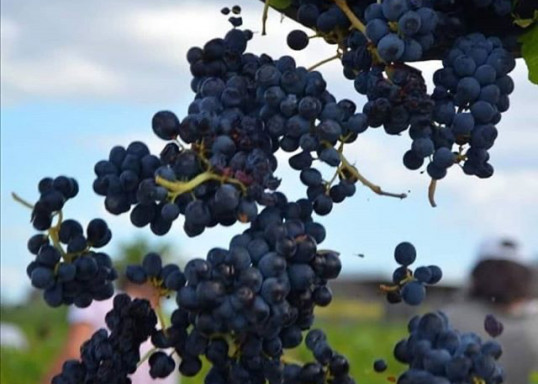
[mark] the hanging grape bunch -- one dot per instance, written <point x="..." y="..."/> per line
<point x="243" y="305"/>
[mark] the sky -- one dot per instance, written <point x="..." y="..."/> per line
<point x="78" y="78"/>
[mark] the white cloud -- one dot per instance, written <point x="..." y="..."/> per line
<point x="59" y="74"/>
<point x="124" y="51"/>
<point x="506" y="202"/>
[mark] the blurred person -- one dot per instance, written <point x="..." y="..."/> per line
<point x="83" y="322"/>
<point x="501" y="284"/>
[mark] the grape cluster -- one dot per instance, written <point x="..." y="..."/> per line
<point x="397" y="94"/>
<point x="438" y="354"/>
<point x="246" y="107"/>
<point x="394" y="101"/>
<point x="275" y="105"/>
<point x="410" y="286"/>
<point x="119" y="177"/>
<point x="471" y="92"/>
<point x="330" y="366"/>
<point x="77" y="274"/>
<point x="53" y="195"/>
<point x="400" y="29"/>
<point x="240" y="307"/>
<point x="110" y="356"/>
<point x="262" y="289"/>
<point x="357" y="56"/>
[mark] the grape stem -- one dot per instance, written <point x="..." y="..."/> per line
<point x="325" y="61"/>
<point x="393" y="288"/>
<point x="291" y="360"/>
<point x="388" y="288"/>
<point x="146" y="356"/>
<point x="160" y="316"/>
<point x="176" y="188"/>
<point x="431" y="192"/>
<point x="329" y="183"/>
<point x="264" y="16"/>
<point x="359" y="25"/>
<point x="20" y="200"/>
<point x="54" y="236"/>
<point x="375" y="188"/>
<point x="342" y="4"/>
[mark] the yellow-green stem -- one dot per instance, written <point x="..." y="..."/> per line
<point x="146" y="356"/>
<point x="20" y="200"/>
<point x="329" y="184"/>
<point x="291" y="360"/>
<point x="54" y="236"/>
<point x="375" y="188"/>
<point x="355" y="22"/>
<point x="177" y="188"/>
<point x="160" y="316"/>
<point x="325" y="61"/>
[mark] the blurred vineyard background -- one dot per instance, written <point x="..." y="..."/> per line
<point x="359" y="324"/>
<point x="358" y="330"/>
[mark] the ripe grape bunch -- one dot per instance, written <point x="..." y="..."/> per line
<point x="456" y="122"/>
<point x="410" y="286"/>
<point x="244" y="304"/>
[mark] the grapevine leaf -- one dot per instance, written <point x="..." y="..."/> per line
<point x="525" y="23"/>
<point x="280" y="4"/>
<point x="529" y="51"/>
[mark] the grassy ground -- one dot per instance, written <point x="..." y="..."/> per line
<point x="45" y="329"/>
<point x="354" y="330"/>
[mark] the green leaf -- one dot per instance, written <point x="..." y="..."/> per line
<point x="529" y="51"/>
<point x="525" y="23"/>
<point x="280" y="4"/>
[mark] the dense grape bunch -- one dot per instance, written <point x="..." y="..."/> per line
<point x="262" y="289"/>
<point x="218" y="164"/>
<point x="110" y="356"/>
<point x="242" y="306"/>
<point x="471" y="93"/>
<point x="455" y="123"/>
<point x="67" y="266"/>
<point x="400" y="29"/>
<point x="438" y="354"/>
